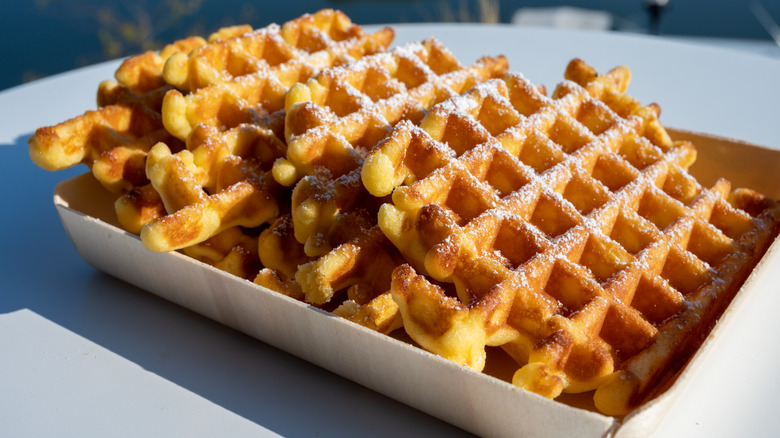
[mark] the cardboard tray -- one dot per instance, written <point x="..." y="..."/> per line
<point x="476" y="402"/>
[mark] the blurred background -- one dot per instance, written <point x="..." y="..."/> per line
<point x="44" y="37"/>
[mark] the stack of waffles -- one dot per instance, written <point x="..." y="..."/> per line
<point x="402" y="190"/>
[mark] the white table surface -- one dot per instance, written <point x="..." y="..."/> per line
<point x="84" y="354"/>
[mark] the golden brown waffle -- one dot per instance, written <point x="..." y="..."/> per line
<point x="114" y="139"/>
<point x="567" y="230"/>
<point x="120" y="167"/>
<point x="342" y="110"/>
<point x="209" y="147"/>
<point x="242" y="51"/>
<point x="351" y="257"/>
<point x="347" y="249"/>
<point x="234" y="251"/>
<point x="336" y="220"/>
<point x="235" y="80"/>
<point x="280" y="255"/>
<point x="353" y="106"/>
<point x="332" y="214"/>
<point x="317" y="202"/>
<point x="142" y="74"/>
<point x="359" y="263"/>
<point x="244" y="195"/>
<point x="83" y="138"/>
<point x="245" y="78"/>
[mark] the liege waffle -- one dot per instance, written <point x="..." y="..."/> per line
<point x="566" y="230"/>
<point x="234" y="250"/>
<point x="209" y="148"/>
<point x="244" y="79"/>
<point x="346" y="108"/>
<point x="346" y="250"/>
<point x="343" y="109"/>
<point x="244" y="195"/>
<point x="332" y="214"/>
<point x="273" y="57"/>
<point x="113" y="139"/>
<point x="249" y="198"/>
<point x="139" y="87"/>
<point x="360" y="263"/>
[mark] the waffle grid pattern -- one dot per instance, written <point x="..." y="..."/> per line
<point x="612" y="251"/>
<point x="331" y="117"/>
<point x="244" y="79"/>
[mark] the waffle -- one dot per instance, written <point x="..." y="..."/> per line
<point x="84" y="138"/>
<point x="566" y="230"/>
<point x="244" y="195"/>
<point x="352" y="106"/>
<point x="343" y="109"/>
<point x="244" y="79"/>
<point x="209" y="148"/>
<point x="347" y="267"/>
<point x="143" y="73"/>
<point x="360" y="263"/>
<point x="350" y="251"/>
<point x="234" y="251"/>
<point x="140" y="83"/>
<point x="197" y="207"/>
<point x="280" y="255"/>
<point x="113" y="139"/>
<point x="332" y="214"/>
<point x="270" y="60"/>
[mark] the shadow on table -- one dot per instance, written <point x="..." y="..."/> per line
<point x="239" y="373"/>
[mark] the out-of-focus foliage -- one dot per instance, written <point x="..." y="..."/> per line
<point x="487" y="11"/>
<point x="125" y="27"/>
<point x="135" y="26"/>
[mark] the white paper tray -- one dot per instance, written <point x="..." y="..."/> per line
<point x="474" y="401"/>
